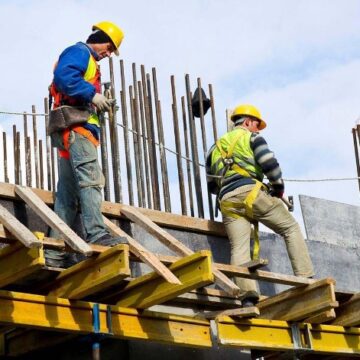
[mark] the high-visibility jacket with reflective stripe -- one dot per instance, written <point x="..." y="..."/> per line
<point x="242" y="155"/>
<point x="76" y="78"/>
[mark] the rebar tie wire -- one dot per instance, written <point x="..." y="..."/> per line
<point x="184" y="157"/>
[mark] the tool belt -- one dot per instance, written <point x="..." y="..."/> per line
<point x="66" y="116"/>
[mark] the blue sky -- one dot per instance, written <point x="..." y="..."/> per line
<point x="298" y="61"/>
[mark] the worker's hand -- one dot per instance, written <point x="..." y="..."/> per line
<point x="102" y="103"/>
<point x="277" y="190"/>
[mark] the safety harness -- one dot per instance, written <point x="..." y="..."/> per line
<point x="231" y="208"/>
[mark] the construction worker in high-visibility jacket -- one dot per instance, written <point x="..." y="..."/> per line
<point x="76" y="86"/>
<point x="235" y="167"/>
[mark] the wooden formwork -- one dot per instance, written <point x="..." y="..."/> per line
<point x="40" y="298"/>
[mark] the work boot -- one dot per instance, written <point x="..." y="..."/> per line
<point x="108" y="240"/>
<point x="249" y="302"/>
<point x="55" y="258"/>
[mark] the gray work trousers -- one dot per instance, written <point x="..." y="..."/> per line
<point x="271" y="212"/>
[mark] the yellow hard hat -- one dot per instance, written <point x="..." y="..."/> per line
<point x="112" y="31"/>
<point x="248" y="110"/>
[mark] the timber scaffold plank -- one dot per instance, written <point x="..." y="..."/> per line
<point x="134" y="215"/>
<point x="53" y="220"/>
<point x="51" y="313"/>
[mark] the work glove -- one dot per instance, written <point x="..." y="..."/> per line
<point x="102" y="103"/>
<point x="277" y="190"/>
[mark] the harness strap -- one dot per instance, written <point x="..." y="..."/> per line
<point x="229" y="208"/>
<point x="80" y="130"/>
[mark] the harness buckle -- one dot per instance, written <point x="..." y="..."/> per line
<point x="228" y="161"/>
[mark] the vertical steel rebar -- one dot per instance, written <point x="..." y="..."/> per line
<point x="27" y="147"/>
<point x="15" y="156"/>
<point x="213" y="116"/>
<point x="104" y="156"/>
<point x="356" y="148"/>
<point x="178" y="147"/>
<point x="139" y="138"/>
<point x="35" y="140"/>
<point x="187" y="154"/>
<point x="48" y="144"/>
<point x="136" y="148"/>
<point x="145" y="145"/>
<point x="163" y="162"/>
<point x="41" y="164"/>
<point x="126" y="134"/>
<point x="152" y="145"/>
<point x="194" y="151"/>
<point x="147" y="136"/>
<point x="18" y="157"/>
<point x="114" y="136"/>
<point x="6" y="174"/>
<point x="203" y="133"/>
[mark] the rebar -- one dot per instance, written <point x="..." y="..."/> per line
<point x="194" y="150"/>
<point x="178" y="147"/>
<point x="126" y="134"/>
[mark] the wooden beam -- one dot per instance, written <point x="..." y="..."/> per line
<point x="323" y="317"/>
<point x="21" y="232"/>
<point x="17" y="262"/>
<point x="93" y="275"/>
<point x="76" y="317"/>
<point x="175" y="245"/>
<point x="146" y="256"/>
<point x="348" y="314"/>
<point x="229" y="270"/>
<point x="300" y="303"/>
<point x="247" y="312"/>
<point x="51" y="219"/>
<point x="193" y="271"/>
<point x="174" y="221"/>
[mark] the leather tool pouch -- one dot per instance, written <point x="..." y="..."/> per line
<point x="66" y="116"/>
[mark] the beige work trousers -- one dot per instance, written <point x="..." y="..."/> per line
<point x="271" y="212"/>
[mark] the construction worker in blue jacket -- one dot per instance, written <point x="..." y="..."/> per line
<point x="77" y="84"/>
<point x="236" y="165"/>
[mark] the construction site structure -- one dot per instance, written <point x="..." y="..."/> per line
<point x="125" y="292"/>
<point x="168" y="289"/>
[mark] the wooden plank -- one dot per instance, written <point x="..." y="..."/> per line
<point x="93" y="275"/>
<point x="300" y="303"/>
<point x="143" y="254"/>
<point x="255" y="264"/>
<point x="17" y="262"/>
<point x="193" y="271"/>
<point x="348" y="314"/>
<point x="229" y="270"/>
<point x="175" y="245"/>
<point x="248" y="312"/>
<point x="175" y="221"/>
<point x="322" y="317"/>
<point x="51" y="219"/>
<point x="21" y="232"/>
<point x="205" y="301"/>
